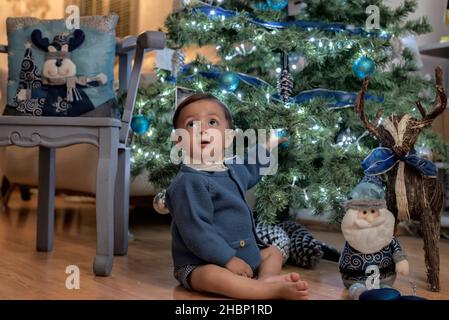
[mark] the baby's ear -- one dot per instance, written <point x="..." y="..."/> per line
<point x="229" y="137"/>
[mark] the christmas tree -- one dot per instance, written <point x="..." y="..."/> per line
<point x="296" y="66"/>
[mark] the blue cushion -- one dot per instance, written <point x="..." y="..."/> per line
<point x="88" y="56"/>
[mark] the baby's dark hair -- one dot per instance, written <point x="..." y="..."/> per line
<point x="198" y="97"/>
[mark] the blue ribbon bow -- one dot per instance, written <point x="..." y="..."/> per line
<point x="337" y="98"/>
<point x="303" y="24"/>
<point x="382" y="160"/>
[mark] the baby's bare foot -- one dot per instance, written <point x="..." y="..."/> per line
<point x="294" y="290"/>
<point x="289" y="277"/>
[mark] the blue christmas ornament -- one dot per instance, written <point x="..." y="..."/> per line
<point x="282" y="133"/>
<point x="140" y="124"/>
<point x="277" y="4"/>
<point x="229" y="81"/>
<point x="363" y="67"/>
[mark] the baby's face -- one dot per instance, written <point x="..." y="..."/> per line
<point x="208" y="131"/>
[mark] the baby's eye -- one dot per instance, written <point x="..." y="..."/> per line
<point x="191" y="124"/>
<point x="213" y="122"/>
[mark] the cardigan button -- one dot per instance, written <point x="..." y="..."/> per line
<point x="242" y="243"/>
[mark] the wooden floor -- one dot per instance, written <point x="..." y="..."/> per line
<point x="146" y="272"/>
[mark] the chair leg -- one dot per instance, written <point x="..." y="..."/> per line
<point x="106" y="173"/>
<point x="5" y="186"/>
<point x="25" y="193"/>
<point x="121" y="203"/>
<point x="7" y="190"/>
<point x="46" y="198"/>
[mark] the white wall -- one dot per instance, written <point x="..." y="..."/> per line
<point x="435" y="11"/>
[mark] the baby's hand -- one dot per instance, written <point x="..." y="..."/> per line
<point x="274" y="141"/>
<point x="239" y="267"/>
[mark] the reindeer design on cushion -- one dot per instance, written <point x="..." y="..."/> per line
<point x="61" y="87"/>
<point x="413" y="192"/>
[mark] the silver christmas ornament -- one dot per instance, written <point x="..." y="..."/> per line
<point x="159" y="204"/>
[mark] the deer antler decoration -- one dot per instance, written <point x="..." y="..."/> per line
<point x="412" y="190"/>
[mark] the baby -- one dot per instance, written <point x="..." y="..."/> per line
<point x="214" y="245"/>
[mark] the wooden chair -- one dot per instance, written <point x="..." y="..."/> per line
<point x="113" y="169"/>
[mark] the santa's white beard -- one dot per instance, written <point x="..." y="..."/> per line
<point x="365" y="237"/>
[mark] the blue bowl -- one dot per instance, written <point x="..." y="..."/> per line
<point x="381" y="294"/>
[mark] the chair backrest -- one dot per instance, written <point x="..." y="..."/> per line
<point x="147" y="41"/>
<point x="129" y="78"/>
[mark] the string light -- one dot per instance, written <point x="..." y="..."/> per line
<point x="306" y="197"/>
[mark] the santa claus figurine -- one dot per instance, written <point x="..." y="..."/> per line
<point x="372" y="256"/>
